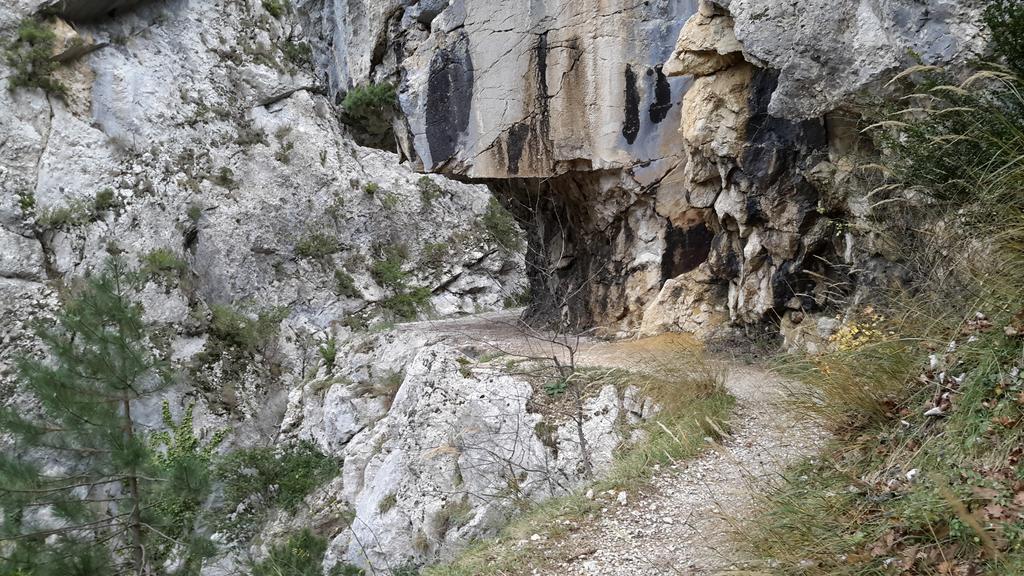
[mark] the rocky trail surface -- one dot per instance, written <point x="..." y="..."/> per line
<point x="681" y="523"/>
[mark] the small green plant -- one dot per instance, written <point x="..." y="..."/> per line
<point x="27" y="202"/>
<point x="369" y="112"/>
<point x="408" y="304"/>
<point x="234" y="328"/>
<point x="556" y="387"/>
<point x="434" y="255"/>
<point x="301" y="555"/>
<point x="329" y="352"/>
<point x="345" y="285"/>
<point x="429" y="190"/>
<point x="276" y="8"/>
<point x="178" y="450"/>
<point x="501" y="228"/>
<point x="284" y="153"/>
<point x="390" y="201"/>
<point x="194" y="212"/>
<point x="404" y="303"/>
<point x="30" y="56"/>
<point x="387" y="271"/>
<point x="464" y="367"/>
<point x="1005" y="18"/>
<point x="225" y="178"/>
<point x="299" y="54"/>
<point x="281" y="476"/>
<point x="163" y="264"/>
<point x="104" y="201"/>
<point x="371" y="188"/>
<point x="317" y="246"/>
<point x="387" y="503"/>
<point x="77" y="212"/>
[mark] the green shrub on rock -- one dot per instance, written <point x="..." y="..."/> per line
<point x="268" y="477"/>
<point x="30" y="56"/>
<point x="317" y="245"/>
<point x="163" y="264"/>
<point x="301" y="555"/>
<point x="345" y="285"/>
<point x="501" y="228"/>
<point x="368" y="111"/>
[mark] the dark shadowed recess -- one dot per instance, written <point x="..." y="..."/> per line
<point x="777" y="154"/>
<point x="86" y="10"/>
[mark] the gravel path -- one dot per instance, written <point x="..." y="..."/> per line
<point x="681" y="523"/>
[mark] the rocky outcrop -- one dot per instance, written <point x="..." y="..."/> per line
<point x="744" y="181"/>
<point x="212" y="148"/>
<point x="507" y="89"/>
<point x="441" y="449"/>
<point x="194" y="139"/>
<point x="566" y="109"/>
<point x="826" y="51"/>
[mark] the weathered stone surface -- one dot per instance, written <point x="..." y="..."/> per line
<point x="690" y="302"/>
<point x="451" y="449"/>
<point x="510" y="89"/>
<point x="20" y="257"/>
<point x="826" y="51"/>
<point x="707" y="44"/>
<point x="217" y="146"/>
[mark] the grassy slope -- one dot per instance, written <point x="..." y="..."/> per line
<point x="926" y="475"/>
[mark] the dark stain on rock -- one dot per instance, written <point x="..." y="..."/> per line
<point x="527" y="143"/>
<point x="662" y="97"/>
<point x="517" y="136"/>
<point x="449" y="95"/>
<point x="541" y="51"/>
<point x="631" y="122"/>
<point x="776" y="145"/>
<point x="685" y="249"/>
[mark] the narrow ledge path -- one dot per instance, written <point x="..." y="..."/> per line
<point x="683" y="522"/>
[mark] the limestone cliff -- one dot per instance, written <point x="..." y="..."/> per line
<point x="676" y="165"/>
<point x="570" y="110"/>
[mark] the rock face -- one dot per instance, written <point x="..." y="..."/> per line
<point x="677" y="165"/>
<point x="213" y="150"/>
<point x="506" y="88"/>
<point x="439" y="450"/>
<point x="827" y="51"/>
<point x="193" y="139"/>
<point x="566" y="108"/>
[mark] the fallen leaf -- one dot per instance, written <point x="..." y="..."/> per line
<point x="985" y="493"/>
<point x="994" y="511"/>
<point x="1016" y="326"/>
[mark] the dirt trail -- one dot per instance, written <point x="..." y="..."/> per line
<point x="681" y="524"/>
